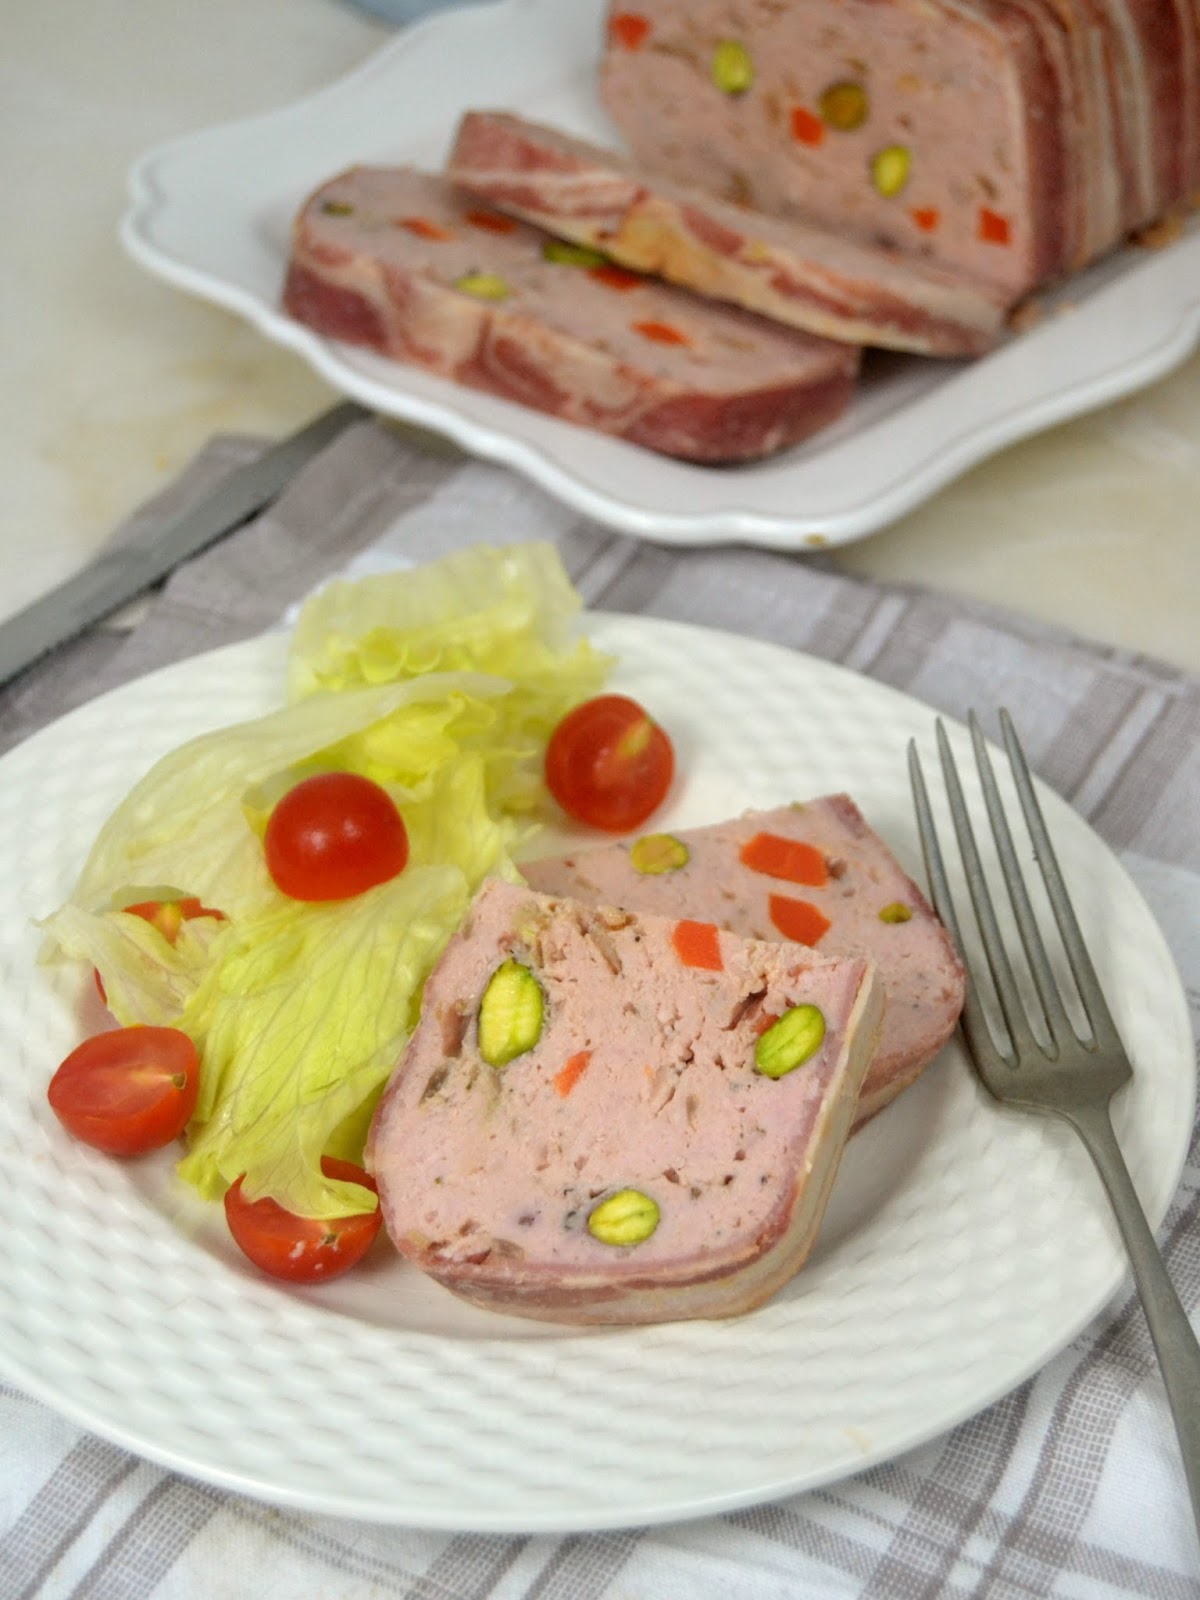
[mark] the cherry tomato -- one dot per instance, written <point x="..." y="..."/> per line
<point x="608" y="764"/>
<point x="302" y="1249"/>
<point x="334" y="835"/>
<point x="168" y="916"/>
<point x="128" y="1091"/>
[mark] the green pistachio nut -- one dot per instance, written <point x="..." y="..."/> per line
<point x="844" y="106"/>
<point x="790" y="1042"/>
<point x="627" y="1217"/>
<point x="890" y="169"/>
<point x="510" y="1014"/>
<point x="655" y="853"/>
<point x="483" y="286"/>
<point x="572" y="255"/>
<point x="732" y="68"/>
<point x="897" y="911"/>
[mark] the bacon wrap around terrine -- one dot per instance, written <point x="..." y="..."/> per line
<point x="642" y="1080"/>
<point x="1014" y="140"/>
<point x="408" y="264"/>
<point x="795" y="273"/>
<point x="814" y="872"/>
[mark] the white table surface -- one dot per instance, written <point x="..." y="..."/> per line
<point x="113" y="380"/>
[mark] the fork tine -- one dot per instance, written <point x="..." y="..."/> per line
<point x="1104" y="1031"/>
<point x="1053" y="1010"/>
<point x="1023" y="1041"/>
<point x="981" y="1041"/>
<point x="935" y="866"/>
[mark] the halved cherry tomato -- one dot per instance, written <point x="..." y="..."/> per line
<point x="303" y="1249"/>
<point x="334" y="835"/>
<point x="609" y="764"/>
<point x="127" y="1091"/>
<point x="168" y="916"/>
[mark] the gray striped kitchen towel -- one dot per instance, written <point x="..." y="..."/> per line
<point x="1068" y="1487"/>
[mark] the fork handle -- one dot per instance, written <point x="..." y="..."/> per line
<point x="1174" y="1341"/>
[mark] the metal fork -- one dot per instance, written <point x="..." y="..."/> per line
<point x="1068" y="1077"/>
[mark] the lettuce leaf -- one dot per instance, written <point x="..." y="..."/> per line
<point x="442" y="684"/>
<point x="184" y="823"/>
<point x="507" y="611"/>
<point x="145" y="978"/>
<point x="298" y="1027"/>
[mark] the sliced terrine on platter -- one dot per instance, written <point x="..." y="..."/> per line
<point x="794" y="272"/>
<point x="408" y="264"/>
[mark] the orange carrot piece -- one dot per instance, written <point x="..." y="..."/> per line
<point x="806" y="128"/>
<point x="566" y="1079"/>
<point x="927" y="218"/>
<point x="799" y="920"/>
<point x="491" y="221"/>
<point x="698" y="944"/>
<point x="629" y="29"/>
<point x="993" y="228"/>
<point x="661" y="333"/>
<point x="424" y="229"/>
<point x="616" y="277"/>
<point x="791" y="859"/>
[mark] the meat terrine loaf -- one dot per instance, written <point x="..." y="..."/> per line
<point x="1014" y="140"/>
<point x="812" y="872"/>
<point x="609" y="1118"/>
<point x="805" y="276"/>
<point x="410" y="265"/>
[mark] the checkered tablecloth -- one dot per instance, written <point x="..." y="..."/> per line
<point x="1070" y="1486"/>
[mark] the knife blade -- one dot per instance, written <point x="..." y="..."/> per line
<point x="118" y="575"/>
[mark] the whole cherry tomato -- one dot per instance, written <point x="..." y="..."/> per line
<point x="302" y="1249"/>
<point x="127" y="1091"/>
<point x="608" y="764"/>
<point x="334" y="835"/>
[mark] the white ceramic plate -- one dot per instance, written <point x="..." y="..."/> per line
<point x="212" y="212"/>
<point x="964" y="1244"/>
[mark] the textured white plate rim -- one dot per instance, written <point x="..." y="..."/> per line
<point x="638" y="1505"/>
<point x="1122" y="325"/>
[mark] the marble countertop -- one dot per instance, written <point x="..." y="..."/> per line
<point x="115" y="379"/>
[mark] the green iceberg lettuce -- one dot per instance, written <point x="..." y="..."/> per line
<point x="442" y="684"/>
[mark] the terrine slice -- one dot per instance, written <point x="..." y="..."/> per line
<point x="915" y="123"/>
<point x="611" y="1118"/>
<point x="1015" y="140"/>
<point x="410" y="265"/>
<point x="798" y="274"/>
<point x="814" y="872"/>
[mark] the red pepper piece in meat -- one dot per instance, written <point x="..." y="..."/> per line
<point x="425" y="229"/>
<point x="798" y="919"/>
<point x="790" y="859"/>
<point x="567" y="1077"/>
<point x="993" y="228"/>
<point x="698" y="944"/>
<point x="491" y="221"/>
<point x="629" y="29"/>
<point x="806" y="128"/>
<point x="661" y="332"/>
